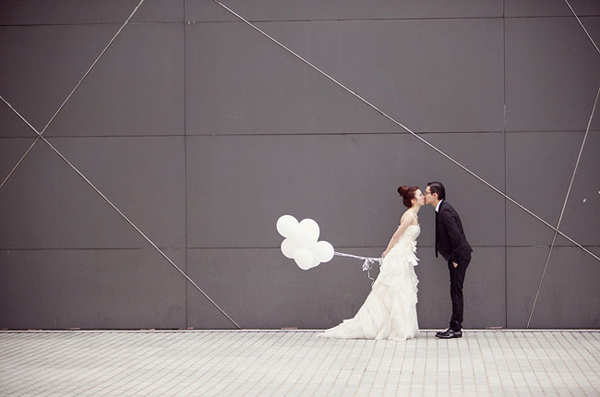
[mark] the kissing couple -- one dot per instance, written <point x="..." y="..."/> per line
<point x="390" y="309"/>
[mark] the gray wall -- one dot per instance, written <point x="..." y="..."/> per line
<point x="204" y="132"/>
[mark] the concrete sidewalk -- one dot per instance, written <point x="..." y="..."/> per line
<point x="297" y="363"/>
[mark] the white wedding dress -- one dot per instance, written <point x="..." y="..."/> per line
<point x="390" y="310"/>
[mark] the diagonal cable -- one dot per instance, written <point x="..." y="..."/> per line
<point x="404" y="127"/>
<point x="70" y="94"/>
<point x="43" y="138"/>
<point x="563" y="208"/>
<point x="583" y="27"/>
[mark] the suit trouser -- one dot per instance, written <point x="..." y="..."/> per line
<point x="457" y="279"/>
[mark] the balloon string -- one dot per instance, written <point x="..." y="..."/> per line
<point x="367" y="264"/>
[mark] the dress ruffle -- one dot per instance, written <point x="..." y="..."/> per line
<point x="389" y="312"/>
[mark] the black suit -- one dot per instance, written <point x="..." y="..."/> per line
<point x="450" y="241"/>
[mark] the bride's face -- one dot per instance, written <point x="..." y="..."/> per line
<point x="419" y="199"/>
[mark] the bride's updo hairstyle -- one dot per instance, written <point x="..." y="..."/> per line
<point x="407" y="194"/>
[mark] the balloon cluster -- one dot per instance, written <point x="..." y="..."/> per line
<point x="301" y="242"/>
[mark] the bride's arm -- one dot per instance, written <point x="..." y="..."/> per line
<point x="406" y="221"/>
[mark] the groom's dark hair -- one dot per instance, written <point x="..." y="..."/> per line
<point x="437" y="187"/>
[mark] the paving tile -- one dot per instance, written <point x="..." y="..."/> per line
<point x="297" y="363"/>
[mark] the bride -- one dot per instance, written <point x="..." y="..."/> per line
<point x="390" y="311"/>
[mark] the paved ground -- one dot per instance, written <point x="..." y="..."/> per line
<point x="297" y="363"/>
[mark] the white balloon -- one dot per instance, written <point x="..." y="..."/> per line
<point x="323" y="251"/>
<point x="315" y="263"/>
<point x="303" y="258"/>
<point x="302" y="243"/>
<point x="288" y="247"/>
<point x="287" y="225"/>
<point x="307" y="233"/>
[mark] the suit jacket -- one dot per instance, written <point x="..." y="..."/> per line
<point x="450" y="239"/>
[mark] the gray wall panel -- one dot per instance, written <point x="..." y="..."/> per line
<point x="40" y="67"/>
<point x="538" y="178"/>
<point x="204" y="132"/>
<point x="136" y="89"/>
<point x="13" y="125"/>
<point x="145" y="97"/>
<point x="484" y="289"/>
<point x="569" y="297"/>
<point x="347" y="183"/>
<point x="553" y="89"/>
<point x="143" y="176"/>
<point x="259" y="288"/>
<point x="388" y="61"/>
<point x="11" y="151"/>
<point x="47" y="205"/>
<point x="340" y="10"/>
<point x="581" y="219"/>
<point x="258" y="88"/>
<point x="240" y="83"/>
<point x="57" y="289"/>
<point x="26" y="12"/>
<point x="544" y="8"/>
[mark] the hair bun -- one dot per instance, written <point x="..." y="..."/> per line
<point x="403" y="190"/>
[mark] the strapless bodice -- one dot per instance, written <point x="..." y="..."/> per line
<point x="406" y="246"/>
<point x="411" y="233"/>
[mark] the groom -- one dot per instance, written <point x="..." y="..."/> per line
<point x="450" y="241"/>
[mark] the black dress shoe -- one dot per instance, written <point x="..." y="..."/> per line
<point x="449" y="334"/>
<point x="443" y="332"/>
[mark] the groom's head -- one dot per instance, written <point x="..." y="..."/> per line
<point x="434" y="193"/>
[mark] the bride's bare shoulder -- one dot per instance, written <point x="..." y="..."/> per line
<point x="409" y="216"/>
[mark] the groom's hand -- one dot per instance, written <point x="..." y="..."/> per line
<point x="455" y="264"/>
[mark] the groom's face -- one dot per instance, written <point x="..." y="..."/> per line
<point x="429" y="199"/>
